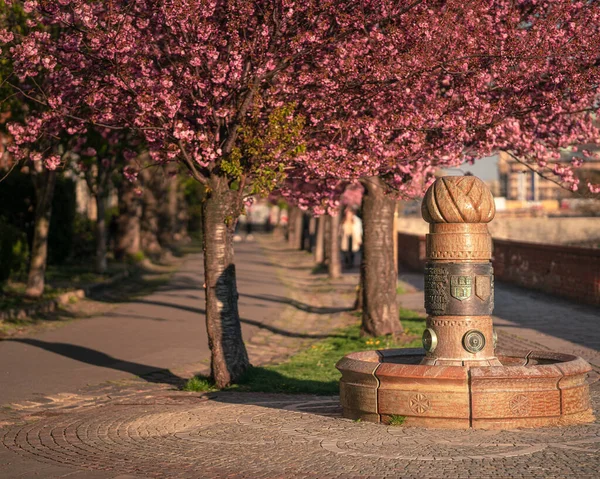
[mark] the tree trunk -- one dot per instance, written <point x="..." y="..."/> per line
<point x="182" y="217"/>
<point x="229" y="359"/>
<point x="101" y="236"/>
<point x="333" y="250"/>
<point x="166" y="191"/>
<point x="299" y="228"/>
<point x="309" y="244"/>
<point x="44" y="183"/>
<point x="378" y="272"/>
<point x="320" y="241"/>
<point x="149" y="221"/>
<point x="395" y="236"/>
<point x="358" y="299"/>
<point x="127" y="242"/>
<point x="291" y="237"/>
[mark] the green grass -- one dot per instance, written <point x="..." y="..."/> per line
<point x="312" y="371"/>
<point x="320" y="268"/>
<point x="401" y="289"/>
<point x="396" y="420"/>
<point x="200" y="384"/>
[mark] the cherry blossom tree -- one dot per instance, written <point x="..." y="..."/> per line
<point x="444" y="83"/>
<point x="186" y="76"/>
<point x="389" y="89"/>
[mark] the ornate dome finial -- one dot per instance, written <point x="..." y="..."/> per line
<point x="458" y="199"/>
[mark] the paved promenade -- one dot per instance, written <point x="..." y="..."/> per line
<point x="146" y="428"/>
<point x="164" y="330"/>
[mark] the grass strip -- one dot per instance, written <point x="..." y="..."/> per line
<point x="312" y="371"/>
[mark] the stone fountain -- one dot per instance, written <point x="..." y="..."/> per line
<point x="459" y="379"/>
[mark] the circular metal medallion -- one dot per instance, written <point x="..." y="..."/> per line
<point x="429" y="340"/>
<point x="474" y="341"/>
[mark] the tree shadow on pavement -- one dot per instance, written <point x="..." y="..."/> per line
<point x="289" y="334"/>
<point x="297" y="304"/>
<point x="150" y="374"/>
<point x="258" y="324"/>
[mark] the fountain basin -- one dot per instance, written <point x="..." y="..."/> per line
<point x="529" y="389"/>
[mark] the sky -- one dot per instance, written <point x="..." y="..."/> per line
<point x="486" y="169"/>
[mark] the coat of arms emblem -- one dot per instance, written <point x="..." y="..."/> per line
<point x="483" y="287"/>
<point x="461" y="287"/>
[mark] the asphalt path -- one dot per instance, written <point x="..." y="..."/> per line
<point x="161" y="331"/>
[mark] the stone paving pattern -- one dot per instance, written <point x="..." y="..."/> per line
<point x="146" y="428"/>
<point x="243" y="435"/>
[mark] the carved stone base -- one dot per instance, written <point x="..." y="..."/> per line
<point x="527" y="389"/>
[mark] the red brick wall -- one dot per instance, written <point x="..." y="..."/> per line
<point x="566" y="271"/>
<point x="411" y="251"/>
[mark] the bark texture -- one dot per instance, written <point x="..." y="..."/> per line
<point x="229" y="359"/>
<point x="380" y="314"/>
<point x="333" y="248"/>
<point x="44" y="183"/>
<point x="320" y="241"/>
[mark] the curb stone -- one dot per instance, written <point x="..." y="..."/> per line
<point x="52" y="304"/>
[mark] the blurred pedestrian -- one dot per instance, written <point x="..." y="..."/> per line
<point x="351" y="232"/>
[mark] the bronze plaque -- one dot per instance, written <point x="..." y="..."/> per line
<point x="436" y="290"/>
<point x="459" y="289"/>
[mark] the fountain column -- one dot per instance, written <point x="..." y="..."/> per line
<point x="459" y="380"/>
<point x="459" y="280"/>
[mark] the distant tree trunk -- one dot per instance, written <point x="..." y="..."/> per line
<point x="378" y="272"/>
<point x="292" y="232"/>
<point x="298" y="239"/>
<point x="127" y="242"/>
<point x="168" y="212"/>
<point x="295" y="224"/>
<point x="97" y="177"/>
<point x="44" y="183"/>
<point x="326" y="238"/>
<point x="358" y="299"/>
<point x="333" y="250"/>
<point x="182" y="217"/>
<point x="312" y="231"/>
<point x="101" y="234"/>
<point x="320" y="241"/>
<point x="229" y="359"/>
<point x="149" y="221"/>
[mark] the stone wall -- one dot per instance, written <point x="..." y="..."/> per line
<point x="566" y="271"/>
<point x="562" y="230"/>
<point x="411" y="251"/>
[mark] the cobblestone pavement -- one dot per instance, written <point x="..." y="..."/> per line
<point x="237" y="435"/>
<point x="148" y="429"/>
